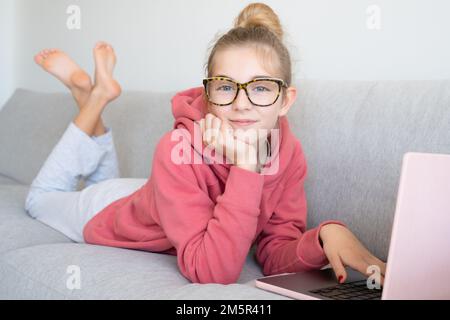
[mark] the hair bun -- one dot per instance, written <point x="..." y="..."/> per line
<point x="257" y="15"/>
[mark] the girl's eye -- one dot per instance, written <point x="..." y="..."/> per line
<point x="261" y="89"/>
<point x="225" y="88"/>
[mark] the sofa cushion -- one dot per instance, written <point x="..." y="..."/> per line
<point x="17" y="228"/>
<point x="13" y="195"/>
<point x="4" y="180"/>
<point x="43" y="272"/>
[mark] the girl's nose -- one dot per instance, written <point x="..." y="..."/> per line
<point x="242" y="102"/>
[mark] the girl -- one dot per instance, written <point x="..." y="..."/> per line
<point x="207" y="214"/>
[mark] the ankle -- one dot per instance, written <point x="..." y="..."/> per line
<point x="107" y="91"/>
<point x="100" y="129"/>
<point x="100" y="95"/>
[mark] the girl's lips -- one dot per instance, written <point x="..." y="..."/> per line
<point x="243" y="123"/>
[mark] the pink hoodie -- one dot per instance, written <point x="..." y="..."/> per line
<point x="209" y="215"/>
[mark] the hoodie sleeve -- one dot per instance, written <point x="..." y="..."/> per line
<point x="284" y="245"/>
<point x="212" y="240"/>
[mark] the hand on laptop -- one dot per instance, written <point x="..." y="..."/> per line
<point x="342" y="248"/>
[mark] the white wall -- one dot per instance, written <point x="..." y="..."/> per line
<point x="7" y="29"/>
<point x="162" y="44"/>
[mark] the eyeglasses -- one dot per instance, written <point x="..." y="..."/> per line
<point x="262" y="92"/>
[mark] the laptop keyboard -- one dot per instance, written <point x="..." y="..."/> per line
<point x="349" y="291"/>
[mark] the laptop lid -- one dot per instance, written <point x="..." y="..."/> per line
<point x="419" y="252"/>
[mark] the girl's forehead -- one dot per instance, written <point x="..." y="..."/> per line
<point x="243" y="64"/>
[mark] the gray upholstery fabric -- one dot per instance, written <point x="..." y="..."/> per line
<point x="110" y="273"/>
<point x="34" y="259"/>
<point x="4" y="180"/>
<point x="354" y="135"/>
<point x="31" y="123"/>
<point x="17" y="229"/>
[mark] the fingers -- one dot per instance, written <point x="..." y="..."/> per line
<point x="338" y="268"/>
<point x="208" y="128"/>
<point x="372" y="260"/>
<point x="216" y="123"/>
<point x="378" y="273"/>
<point x="211" y="129"/>
<point x="208" y="124"/>
<point x="202" y="125"/>
<point x="228" y="132"/>
<point x="357" y="263"/>
<point x="375" y="275"/>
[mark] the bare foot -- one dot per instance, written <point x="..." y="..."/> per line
<point x="60" y="65"/>
<point x="105" y="61"/>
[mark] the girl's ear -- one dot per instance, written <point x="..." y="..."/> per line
<point x="289" y="98"/>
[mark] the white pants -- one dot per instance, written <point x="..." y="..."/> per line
<point x="53" y="197"/>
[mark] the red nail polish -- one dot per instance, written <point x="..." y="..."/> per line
<point x="340" y="279"/>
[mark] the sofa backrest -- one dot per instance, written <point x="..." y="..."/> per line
<point x="31" y="123"/>
<point x="354" y="135"/>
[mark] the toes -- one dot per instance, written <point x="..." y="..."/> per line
<point x="100" y="44"/>
<point x="39" y="58"/>
<point x="104" y="57"/>
<point x="45" y="53"/>
<point x="103" y="45"/>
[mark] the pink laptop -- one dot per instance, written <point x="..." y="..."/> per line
<point x="419" y="252"/>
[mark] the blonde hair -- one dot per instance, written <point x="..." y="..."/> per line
<point x="259" y="27"/>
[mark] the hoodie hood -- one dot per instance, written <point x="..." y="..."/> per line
<point x="189" y="106"/>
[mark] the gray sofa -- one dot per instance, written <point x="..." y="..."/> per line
<point x="354" y="135"/>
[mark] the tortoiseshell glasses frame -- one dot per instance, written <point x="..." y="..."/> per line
<point x="281" y="84"/>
